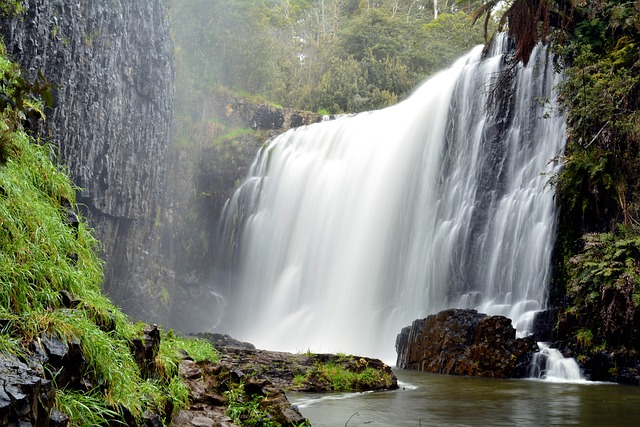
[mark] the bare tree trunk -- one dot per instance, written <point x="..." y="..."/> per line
<point x="413" y="3"/>
<point x="337" y="7"/>
<point x="435" y="9"/>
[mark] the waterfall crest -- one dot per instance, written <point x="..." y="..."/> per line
<point x="348" y="230"/>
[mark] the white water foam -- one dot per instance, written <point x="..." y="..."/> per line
<point x="348" y="230"/>
<point x="550" y="365"/>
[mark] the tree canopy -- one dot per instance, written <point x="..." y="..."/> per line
<point x="322" y="55"/>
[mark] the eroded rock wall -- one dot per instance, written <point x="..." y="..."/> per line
<point x="111" y="64"/>
<point x="205" y="170"/>
<point x="464" y="342"/>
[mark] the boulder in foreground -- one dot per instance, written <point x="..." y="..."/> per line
<point x="465" y="342"/>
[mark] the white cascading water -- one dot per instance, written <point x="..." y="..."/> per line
<point x="550" y="365"/>
<point x="348" y="230"/>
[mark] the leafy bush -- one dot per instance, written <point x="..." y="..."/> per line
<point x="245" y="410"/>
<point x="608" y="260"/>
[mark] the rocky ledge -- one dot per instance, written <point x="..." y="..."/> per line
<point x="465" y="342"/>
<point x="251" y="375"/>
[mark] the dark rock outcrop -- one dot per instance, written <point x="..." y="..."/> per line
<point x="26" y="397"/>
<point x="145" y="349"/>
<point x="260" y="116"/>
<point x="264" y="375"/>
<point x="603" y="335"/>
<point x="111" y="66"/>
<point x="65" y="358"/>
<point x="281" y="368"/>
<point x="27" y="388"/>
<point x="464" y="342"/>
<point x="544" y="323"/>
<point x="224" y="340"/>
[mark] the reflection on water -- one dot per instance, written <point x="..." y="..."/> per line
<point x="439" y="400"/>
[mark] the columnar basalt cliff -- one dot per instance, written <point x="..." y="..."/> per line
<point x="111" y="65"/>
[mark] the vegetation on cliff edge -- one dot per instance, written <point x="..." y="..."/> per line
<point x="598" y="190"/>
<point x="599" y="186"/>
<point x="50" y="278"/>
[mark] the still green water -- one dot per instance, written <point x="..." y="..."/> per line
<point x="440" y="400"/>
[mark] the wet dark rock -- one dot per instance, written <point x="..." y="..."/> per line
<point x="145" y="349"/>
<point x="465" y="342"/>
<point x="189" y="370"/>
<point x="544" y="324"/>
<point x="242" y="112"/>
<point x="64" y="358"/>
<point x="264" y="374"/>
<point x="111" y="67"/>
<point x="279" y="408"/>
<point x="68" y="300"/>
<point x="223" y="340"/>
<point x="56" y="350"/>
<point x="26" y="397"/>
<point x="603" y="334"/>
<point x="58" y="419"/>
<point x="151" y="420"/>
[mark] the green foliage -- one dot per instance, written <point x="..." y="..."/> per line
<point x="342" y="379"/>
<point x="245" y="410"/>
<point x="376" y="33"/>
<point x="172" y="346"/>
<point x="10" y="345"/>
<point x="585" y="337"/>
<point x="442" y="41"/>
<point x="233" y="135"/>
<point x="305" y="53"/>
<point x="598" y="189"/>
<point x="601" y="93"/>
<point x="178" y="393"/>
<point x="608" y="260"/>
<point x="11" y="8"/>
<point x="86" y="409"/>
<point x="347" y="373"/>
<point x="51" y="276"/>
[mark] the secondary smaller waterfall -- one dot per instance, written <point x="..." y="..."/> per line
<point x="348" y="230"/>
<point x="550" y="365"/>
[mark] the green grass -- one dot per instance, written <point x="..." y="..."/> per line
<point x="244" y="410"/>
<point x="342" y="379"/>
<point x="86" y="409"/>
<point x="233" y="134"/>
<point x="345" y="373"/>
<point x="44" y="262"/>
<point x="172" y="346"/>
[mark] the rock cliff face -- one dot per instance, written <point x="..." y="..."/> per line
<point x="112" y="67"/>
<point x="465" y="342"/>
<point x="203" y="174"/>
<point x="154" y="207"/>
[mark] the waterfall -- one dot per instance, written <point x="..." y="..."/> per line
<point x="550" y="365"/>
<point x="347" y="230"/>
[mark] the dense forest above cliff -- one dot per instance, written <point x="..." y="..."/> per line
<point x="317" y="55"/>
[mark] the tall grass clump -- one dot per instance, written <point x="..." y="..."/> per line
<point x="51" y="278"/>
